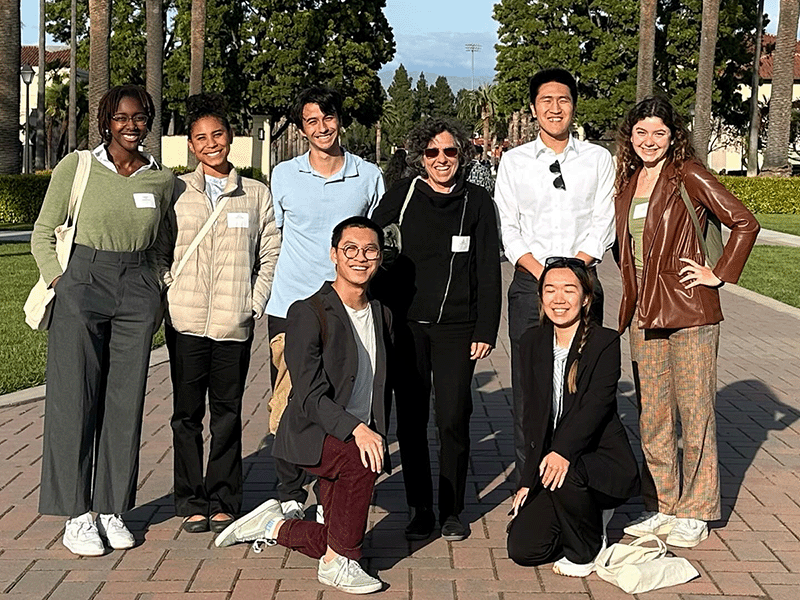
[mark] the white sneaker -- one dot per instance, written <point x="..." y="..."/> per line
<point x="650" y="522"/>
<point x="255" y="526"/>
<point x="112" y="529"/>
<point x="81" y="536"/>
<point x="292" y="509"/>
<point x="320" y="515"/>
<point x="566" y="567"/>
<point x="687" y="533"/>
<point x="347" y="575"/>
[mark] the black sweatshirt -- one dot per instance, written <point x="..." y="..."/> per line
<point x="431" y="283"/>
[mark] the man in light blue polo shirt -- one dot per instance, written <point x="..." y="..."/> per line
<point x="311" y="193"/>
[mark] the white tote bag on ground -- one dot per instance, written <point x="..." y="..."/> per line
<point x="39" y="305"/>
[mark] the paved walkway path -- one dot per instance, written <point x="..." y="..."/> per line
<point x="753" y="552"/>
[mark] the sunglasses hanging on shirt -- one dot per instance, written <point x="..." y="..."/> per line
<point x="558" y="182"/>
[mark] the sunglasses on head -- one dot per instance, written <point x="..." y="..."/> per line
<point x="560" y="262"/>
<point x="558" y="182"/>
<point x="449" y="152"/>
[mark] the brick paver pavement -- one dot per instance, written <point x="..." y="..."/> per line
<point x="753" y="552"/>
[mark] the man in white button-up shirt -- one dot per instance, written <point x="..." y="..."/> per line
<point x="555" y="198"/>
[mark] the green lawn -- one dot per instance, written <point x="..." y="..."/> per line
<point x="23" y="352"/>
<point x="774" y="271"/>
<point x="784" y="223"/>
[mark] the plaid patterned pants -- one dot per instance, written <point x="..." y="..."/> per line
<point x="675" y="372"/>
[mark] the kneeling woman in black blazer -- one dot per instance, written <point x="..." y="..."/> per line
<point x="579" y="465"/>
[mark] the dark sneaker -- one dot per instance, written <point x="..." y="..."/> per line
<point x="453" y="529"/>
<point x="421" y="526"/>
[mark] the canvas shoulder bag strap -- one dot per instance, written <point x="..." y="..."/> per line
<point x="200" y="235"/>
<point x="408" y="199"/>
<point x="79" y="185"/>
<point x="698" y="230"/>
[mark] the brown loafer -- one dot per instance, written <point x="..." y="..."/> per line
<point x="219" y="521"/>
<point x="195" y="525"/>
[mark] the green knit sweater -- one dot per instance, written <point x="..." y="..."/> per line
<point x="110" y="217"/>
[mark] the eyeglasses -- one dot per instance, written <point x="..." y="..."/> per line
<point x="123" y="119"/>
<point x="449" y="152"/>
<point x="558" y="182"/>
<point x="370" y="252"/>
<point x="560" y="262"/>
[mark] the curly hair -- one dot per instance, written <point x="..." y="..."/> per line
<point x="424" y="132"/>
<point x="587" y="286"/>
<point x="680" y="149"/>
<point x="203" y="105"/>
<point x="110" y="101"/>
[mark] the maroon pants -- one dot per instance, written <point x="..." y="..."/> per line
<point x="345" y="489"/>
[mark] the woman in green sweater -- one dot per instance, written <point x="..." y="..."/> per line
<point x="102" y="325"/>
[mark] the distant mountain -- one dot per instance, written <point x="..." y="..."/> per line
<point x="456" y="83"/>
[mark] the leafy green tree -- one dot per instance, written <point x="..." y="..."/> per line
<point x="423" y="103"/>
<point x="402" y="97"/>
<point x="442" y="100"/>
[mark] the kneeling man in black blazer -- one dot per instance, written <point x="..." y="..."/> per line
<point x="336" y="420"/>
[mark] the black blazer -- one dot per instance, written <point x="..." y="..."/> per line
<point x="323" y="369"/>
<point x="589" y="429"/>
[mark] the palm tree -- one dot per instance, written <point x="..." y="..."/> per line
<point x="389" y="120"/>
<point x="755" y="111"/>
<point x="647" y="48"/>
<point x="701" y="131"/>
<point x="40" y="100"/>
<point x="155" y="70"/>
<point x="776" y="156"/>
<point x="198" y="46"/>
<point x="479" y="108"/>
<point x="72" y="137"/>
<point x="10" y="156"/>
<point x="99" y="33"/>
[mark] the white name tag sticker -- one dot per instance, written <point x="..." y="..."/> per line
<point x="144" y="200"/>
<point x="460" y="243"/>
<point x="640" y="210"/>
<point x="238" y="220"/>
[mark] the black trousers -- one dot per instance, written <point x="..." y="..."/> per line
<point x="442" y="350"/>
<point x="291" y="478"/>
<point x="567" y="522"/>
<point x="98" y="352"/>
<point x="523" y="313"/>
<point x="200" y="365"/>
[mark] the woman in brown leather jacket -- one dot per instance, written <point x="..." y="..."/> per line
<point x="670" y="300"/>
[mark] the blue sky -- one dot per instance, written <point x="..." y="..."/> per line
<point x="430" y="34"/>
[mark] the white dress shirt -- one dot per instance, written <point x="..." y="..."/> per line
<point x="101" y="155"/>
<point x="537" y="217"/>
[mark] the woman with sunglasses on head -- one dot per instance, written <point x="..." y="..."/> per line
<point x="102" y="326"/>
<point x="216" y="289"/>
<point x="670" y="301"/>
<point x="579" y="464"/>
<point x="445" y="288"/>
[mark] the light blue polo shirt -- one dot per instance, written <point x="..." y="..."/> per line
<point x="307" y="208"/>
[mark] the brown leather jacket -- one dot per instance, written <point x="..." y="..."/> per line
<point x="662" y="301"/>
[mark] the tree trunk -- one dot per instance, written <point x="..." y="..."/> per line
<point x="41" y="140"/>
<point x="755" y="113"/>
<point x="515" y="126"/>
<point x="10" y="148"/>
<point x="155" y="68"/>
<point x="701" y="131"/>
<point x="99" y="33"/>
<point x="647" y="48"/>
<point x="72" y="116"/>
<point x="198" y="48"/>
<point x="378" y="136"/>
<point x="776" y="156"/>
<point x="487" y="134"/>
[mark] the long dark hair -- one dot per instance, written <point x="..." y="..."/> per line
<point x="680" y="149"/>
<point x="587" y="322"/>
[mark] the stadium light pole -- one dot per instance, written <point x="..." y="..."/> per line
<point x="473" y="48"/>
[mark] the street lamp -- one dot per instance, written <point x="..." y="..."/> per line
<point x="26" y="72"/>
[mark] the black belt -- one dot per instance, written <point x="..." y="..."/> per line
<point x="108" y="256"/>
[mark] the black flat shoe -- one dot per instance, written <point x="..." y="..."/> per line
<point x="196" y="526"/>
<point x="453" y="530"/>
<point x="421" y="526"/>
<point x="217" y="525"/>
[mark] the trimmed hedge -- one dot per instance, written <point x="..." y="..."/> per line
<point x="774" y="195"/>
<point x="21" y="197"/>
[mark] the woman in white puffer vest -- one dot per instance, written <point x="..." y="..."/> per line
<point x="217" y="251"/>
